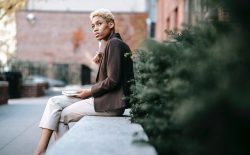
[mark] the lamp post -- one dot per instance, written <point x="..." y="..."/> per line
<point x="31" y="18"/>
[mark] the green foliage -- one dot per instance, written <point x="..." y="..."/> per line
<point x="192" y="95"/>
<point x="8" y="7"/>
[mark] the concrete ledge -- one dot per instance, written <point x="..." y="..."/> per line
<point x="95" y="135"/>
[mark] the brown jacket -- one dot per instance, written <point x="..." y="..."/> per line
<point x="114" y="76"/>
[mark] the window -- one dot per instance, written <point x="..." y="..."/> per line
<point x="176" y="19"/>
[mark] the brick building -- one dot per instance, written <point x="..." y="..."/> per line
<point x="61" y="37"/>
<point x="172" y="15"/>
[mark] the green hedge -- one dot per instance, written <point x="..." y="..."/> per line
<point x="192" y="95"/>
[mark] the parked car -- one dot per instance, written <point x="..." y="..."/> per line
<point x="43" y="79"/>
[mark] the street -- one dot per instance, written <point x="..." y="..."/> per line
<point x="19" y="119"/>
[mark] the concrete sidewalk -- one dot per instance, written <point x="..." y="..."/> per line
<point x="19" y="132"/>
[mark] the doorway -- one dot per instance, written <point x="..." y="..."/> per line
<point x="85" y="75"/>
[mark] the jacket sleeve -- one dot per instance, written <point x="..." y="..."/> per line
<point x="113" y="67"/>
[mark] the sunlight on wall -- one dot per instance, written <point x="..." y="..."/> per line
<point x="7" y="39"/>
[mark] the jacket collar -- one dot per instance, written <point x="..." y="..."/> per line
<point x="115" y="35"/>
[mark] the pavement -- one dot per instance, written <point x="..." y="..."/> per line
<point x="19" y="119"/>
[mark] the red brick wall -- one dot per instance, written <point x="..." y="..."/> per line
<point x="167" y="18"/>
<point x="49" y="39"/>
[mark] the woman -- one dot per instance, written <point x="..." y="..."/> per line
<point x="105" y="98"/>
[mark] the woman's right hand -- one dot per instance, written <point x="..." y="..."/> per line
<point x="97" y="58"/>
<point x="83" y="93"/>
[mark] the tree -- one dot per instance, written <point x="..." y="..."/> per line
<point x="7" y="40"/>
<point x="8" y="7"/>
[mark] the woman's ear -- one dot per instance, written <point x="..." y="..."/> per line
<point x="111" y="25"/>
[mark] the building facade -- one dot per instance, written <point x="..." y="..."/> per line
<point x="60" y="36"/>
<point x="173" y="15"/>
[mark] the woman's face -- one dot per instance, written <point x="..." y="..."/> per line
<point x="101" y="28"/>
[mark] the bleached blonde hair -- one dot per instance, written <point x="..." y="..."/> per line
<point x="104" y="13"/>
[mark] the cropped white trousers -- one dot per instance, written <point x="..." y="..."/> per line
<point x="62" y="112"/>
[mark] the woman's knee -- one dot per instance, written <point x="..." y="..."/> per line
<point x="68" y="116"/>
<point x="54" y="102"/>
<point x="62" y="101"/>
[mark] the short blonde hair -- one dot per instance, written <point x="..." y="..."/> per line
<point x="104" y="13"/>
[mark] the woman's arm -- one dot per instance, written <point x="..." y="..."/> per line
<point x="114" y="55"/>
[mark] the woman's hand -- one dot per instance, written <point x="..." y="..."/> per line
<point x="84" y="93"/>
<point x="97" y="58"/>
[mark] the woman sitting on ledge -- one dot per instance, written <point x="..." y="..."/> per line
<point x="105" y="98"/>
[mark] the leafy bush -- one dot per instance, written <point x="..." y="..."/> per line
<point x="192" y="95"/>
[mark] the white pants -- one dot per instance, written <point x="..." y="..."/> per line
<point x="62" y="112"/>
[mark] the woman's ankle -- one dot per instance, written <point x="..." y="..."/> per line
<point x="39" y="152"/>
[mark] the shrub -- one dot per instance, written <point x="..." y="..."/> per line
<point x="192" y="95"/>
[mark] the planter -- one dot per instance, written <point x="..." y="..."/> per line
<point x="33" y="89"/>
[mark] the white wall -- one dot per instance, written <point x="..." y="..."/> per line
<point x="88" y="5"/>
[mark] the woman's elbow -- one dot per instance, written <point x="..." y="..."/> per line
<point x="114" y="84"/>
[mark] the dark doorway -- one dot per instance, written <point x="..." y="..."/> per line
<point x="85" y="75"/>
